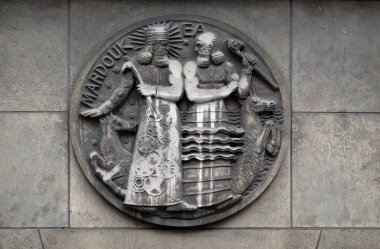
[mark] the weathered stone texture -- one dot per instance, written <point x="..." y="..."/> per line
<point x="93" y="22"/>
<point x="336" y="170"/>
<point x="174" y="239"/>
<point x="88" y="208"/>
<point x="336" y="53"/>
<point x="33" y="162"/>
<point x="33" y="64"/>
<point x="271" y="209"/>
<point x="19" y="239"/>
<point x="350" y="239"/>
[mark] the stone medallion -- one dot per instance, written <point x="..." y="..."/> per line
<point x="180" y="120"/>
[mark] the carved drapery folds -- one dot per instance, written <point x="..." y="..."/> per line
<point x="178" y="122"/>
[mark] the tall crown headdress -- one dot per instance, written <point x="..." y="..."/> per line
<point x="159" y="31"/>
<point x="156" y="33"/>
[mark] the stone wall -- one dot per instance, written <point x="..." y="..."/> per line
<point x="327" y="193"/>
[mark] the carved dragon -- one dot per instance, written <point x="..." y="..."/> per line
<point x="115" y="160"/>
<point x="259" y="138"/>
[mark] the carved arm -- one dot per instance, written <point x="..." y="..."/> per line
<point x="172" y="93"/>
<point x="175" y="91"/>
<point x="116" y="98"/>
<point x="198" y="95"/>
<point x="244" y="85"/>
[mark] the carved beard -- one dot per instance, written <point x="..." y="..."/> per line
<point x="160" y="57"/>
<point x="161" y="60"/>
<point x="203" y="59"/>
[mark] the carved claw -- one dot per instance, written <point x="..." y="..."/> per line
<point x="92" y="113"/>
<point x="274" y="143"/>
<point x="99" y="164"/>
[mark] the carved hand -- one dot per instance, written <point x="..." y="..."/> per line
<point x="230" y="88"/>
<point x="247" y="66"/>
<point x="94" y="112"/>
<point x="127" y="65"/>
<point x="146" y="90"/>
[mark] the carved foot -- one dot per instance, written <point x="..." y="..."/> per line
<point x="182" y="206"/>
<point x="144" y="209"/>
<point x="98" y="163"/>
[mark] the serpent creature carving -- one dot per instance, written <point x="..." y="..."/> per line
<point x="261" y="136"/>
<point x="114" y="161"/>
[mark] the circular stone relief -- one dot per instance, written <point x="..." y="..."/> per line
<point x="180" y="120"/>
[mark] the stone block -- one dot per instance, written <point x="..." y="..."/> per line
<point x="88" y="208"/>
<point x="174" y="239"/>
<point x="33" y="162"/>
<point x="336" y="170"/>
<point x="336" y="56"/>
<point x="93" y="22"/>
<point x="33" y="65"/>
<point x="19" y="238"/>
<point x="349" y="239"/>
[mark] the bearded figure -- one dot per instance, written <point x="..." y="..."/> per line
<point x="155" y="169"/>
<point x="210" y="141"/>
<point x="156" y="158"/>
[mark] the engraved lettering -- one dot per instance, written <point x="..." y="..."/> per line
<point x="101" y="70"/>
<point x="181" y="130"/>
<point x="115" y="53"/>
<point x="123" y="47"/>
<point x="96" y="78"/>
<point x="108" y="61"/>
<point x="190" y="30"/>
<point x="187" y="29"/>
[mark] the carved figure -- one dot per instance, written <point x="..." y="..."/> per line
<point x="207" y="153"/>
<point x="250" y="63"/>
<point x="114" y="161"/>
<point x="155" y="170"/>
<point x="179" y="145"/>
<point x="257" y="139"/>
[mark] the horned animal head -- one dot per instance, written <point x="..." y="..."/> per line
<point x="253" y="104"/>
<point x="116" y="123"/>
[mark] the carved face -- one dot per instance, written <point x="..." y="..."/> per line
<point x="160" y="48"/>
<point x="203" y="47"/>
<point x="235" y="44"/>
<point x="255" y="105"/>
<point x="116" y="123"/>
<point x="160" y="53"/>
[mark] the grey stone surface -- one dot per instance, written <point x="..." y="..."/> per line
<point x="33" y="64"/>
<point x="173" y="239"/>
<point x="88" y="208"/>
<point x="93" y="22"/>
<point x="271" y="209"/>
<point x="33" y="162"/>
<point x="336" y="56"/>
<point x="349" y="239"/>
<point x="19" y="239"/>
<point x="336" y="170"/>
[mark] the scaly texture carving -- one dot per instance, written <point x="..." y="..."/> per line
<point x="256" y="141"/>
